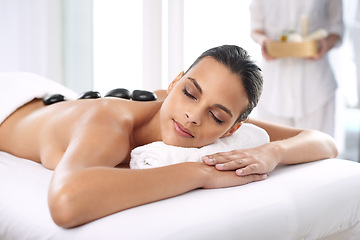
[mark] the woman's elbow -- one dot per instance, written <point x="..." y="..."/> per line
<point x="62" y="208"/>
<point x="331" y="150"/>
<point x="334" y="152"/>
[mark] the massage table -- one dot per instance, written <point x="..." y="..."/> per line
<point x="317" y="200"/>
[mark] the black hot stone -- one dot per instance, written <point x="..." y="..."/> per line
<point x="119" y="93"/>
<point x="90" y="95"/>
<point x="141" y="95"/>
<point x="53" y="99"/>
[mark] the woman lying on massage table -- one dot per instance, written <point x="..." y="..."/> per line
<point x="84" y="140"/>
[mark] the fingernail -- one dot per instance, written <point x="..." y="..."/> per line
<point x="239" y="172"/>
<point x="208" y="159"/>
<point x="264" y="176"/>
<point x="220" y="166"/>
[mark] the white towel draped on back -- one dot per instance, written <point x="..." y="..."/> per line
<point x="19" y="88"/>
<point x="158" y="154"/>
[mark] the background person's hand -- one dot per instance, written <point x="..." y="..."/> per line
<point x="325" y="45"/>
<point x="264" y="50"/>
<point x="323" y="49"/>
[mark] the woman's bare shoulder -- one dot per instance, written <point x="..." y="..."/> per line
<point x="104" y="125"/>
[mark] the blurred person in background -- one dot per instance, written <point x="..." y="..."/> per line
<point x="298" y="92"/>
<point x="355" y="39"/>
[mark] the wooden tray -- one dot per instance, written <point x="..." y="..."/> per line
<point x="292" y="49"/>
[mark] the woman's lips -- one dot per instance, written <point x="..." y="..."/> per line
<point x="182" y="131"/>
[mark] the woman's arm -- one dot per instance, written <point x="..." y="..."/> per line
<point x="78" y="197"/>
<point x="82" y="196"/>
<point x="85" y="185"/>
<point x="287" y="146"/>
<point x="298" y="145"/>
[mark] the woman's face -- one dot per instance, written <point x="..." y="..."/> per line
<point x="202" y="106"/>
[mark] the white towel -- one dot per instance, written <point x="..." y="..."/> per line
<point x="19" y="88"/>
<point x="158" y="154"/>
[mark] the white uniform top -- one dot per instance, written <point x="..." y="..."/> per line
<point x="295" y="87"/>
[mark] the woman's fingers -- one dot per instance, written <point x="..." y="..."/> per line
<point x="221" y="179"/>
<point x="250" y="169"/>
<point x="241" y="167"/>
<point x="232" y="165"/>
<point x="223" y="157"/>
<point x="244" y="162"/>
<point x="231" y="161"/>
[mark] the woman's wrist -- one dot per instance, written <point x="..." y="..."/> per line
<point x="277" y="150"/>
<point x="204" y="173"/>
<point x="197" y="172"/>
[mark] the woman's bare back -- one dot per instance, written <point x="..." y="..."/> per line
<point x="42" y="133"/>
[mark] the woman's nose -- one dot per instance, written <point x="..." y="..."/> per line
<point x="194" y="118"/>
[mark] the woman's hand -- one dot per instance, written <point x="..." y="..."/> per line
<point x="222" y="179"/>
<point x="261" y="160"/>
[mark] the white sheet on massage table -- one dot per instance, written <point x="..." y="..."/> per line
<point x="318" y="200"/>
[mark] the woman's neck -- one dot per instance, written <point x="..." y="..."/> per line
<point x="149" y="131"/>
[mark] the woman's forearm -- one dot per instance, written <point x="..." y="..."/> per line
<point x="99" y="191"/>
<point x="96" y="192"/>
<point x="290" y="145"/>
<point x="306" y="146"/>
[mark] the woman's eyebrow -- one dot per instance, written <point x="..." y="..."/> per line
<point x="222" y="107"/>
<point x="193" y="80"/>
<point x="225" y="109"/>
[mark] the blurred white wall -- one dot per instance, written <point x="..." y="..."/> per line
<point x="50" y="38"/>
<point x="31" y="37"/>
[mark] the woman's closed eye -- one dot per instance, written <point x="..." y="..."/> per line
<point x="186" y="92"/>
<point x="217" y="120"/>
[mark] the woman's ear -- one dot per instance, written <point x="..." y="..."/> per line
<point x="232" y="129"/>
<point x="174" y="82"/>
